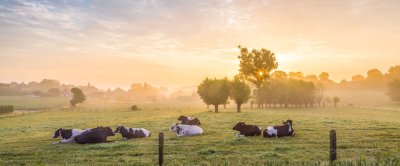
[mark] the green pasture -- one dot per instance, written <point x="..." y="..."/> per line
<point x="364" y="137"/>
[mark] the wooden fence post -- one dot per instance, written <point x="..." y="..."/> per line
<point x="332" y="152"/>
<point x="160" y="148"/>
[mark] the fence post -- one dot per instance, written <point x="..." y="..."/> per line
<point x="332" y="152"/>
<point x="160" y="148"/>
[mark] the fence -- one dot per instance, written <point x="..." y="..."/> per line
<point x="4" y="109"/>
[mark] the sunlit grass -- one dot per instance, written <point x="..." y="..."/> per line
<point x="363" y="136"/>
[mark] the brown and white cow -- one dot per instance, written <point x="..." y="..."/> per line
<point x="280" y="131"/>
<point x="247" y="130"/>
<point x="188" y="120"/>
<point x="129" y="133"/>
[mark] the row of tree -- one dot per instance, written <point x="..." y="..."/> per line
<point x="270" y="87"/>
<point x="217" y="92"/>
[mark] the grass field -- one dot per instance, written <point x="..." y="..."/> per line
<point x="364" y="137"/>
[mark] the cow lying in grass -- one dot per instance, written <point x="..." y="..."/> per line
<point x="188" y="120"/>
<point x="67" y="135"/>
<point x="129" y="133"/>
<point x="186" y="130"/>
<point x="280" y="131"/>
<point x="247" y="130"/>
<point x="96" y="135"/>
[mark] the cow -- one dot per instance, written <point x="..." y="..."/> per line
<point x="128" y="133"/>
<point x="247" y="130"/>
<point x="280" y="131"/>
<point x="186" y="130"/>
<point x="188" y="120"/>
<point x="95" y="135"/>
<point x="67" y="135"/>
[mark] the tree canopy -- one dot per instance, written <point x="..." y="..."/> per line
<point x="214" y="91"/>
<point x="257" y="65"/>
<point x="240" y="92"/>
<point x="77" y="96"/>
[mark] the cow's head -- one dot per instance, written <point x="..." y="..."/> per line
<point x="109" y="131"/>
<point x="57" y="133"/>
<point x="118" y="129"/>
<point x="173" y="127"/>
<point x="182" y="118"/>
<point x="239" y="126"/>
<point x="288" y="121"/>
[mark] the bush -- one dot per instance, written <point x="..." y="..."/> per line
<point x="4" y="109"/>
<point x="134" y="108"/>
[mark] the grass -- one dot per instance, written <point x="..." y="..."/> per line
<point x="364" y="137"/>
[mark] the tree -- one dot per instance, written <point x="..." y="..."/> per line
<point x="394" y="90"/>
<point x="256" y="65"/>
<point x="240" y="92"/>
<point x="279" y="75"/>
<point x="312" y="78"/>
<point x="77" y="96"/>
<point x="296" y="75"/>
<point x="214" y="91"/>
<point x="328" y="101"/>
<point x="324" y="76"/>
<point x="394" y="72"/>
<point x="357" y="78"/>
<point x="336" y="100"/>
<point x="374" y="74"/>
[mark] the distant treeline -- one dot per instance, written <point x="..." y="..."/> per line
<point x="4" y="109"/>
<point x="53" y="88"/>
<point x="374" y="79"/>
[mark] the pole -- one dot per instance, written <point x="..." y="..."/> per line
<point x="332" y="152"/>
<point x="160" y="148"/>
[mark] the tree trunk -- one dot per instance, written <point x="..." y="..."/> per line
<point x="286" y="105"/>
<point x="216" y="108"/>
<point x="208" y="106"/>
<point x="238" y="108"/>
<point x="224" y="106"/>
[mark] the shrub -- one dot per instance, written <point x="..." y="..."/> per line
<point x="134" y="108"/>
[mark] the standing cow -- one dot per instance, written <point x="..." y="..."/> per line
<point x="280" y="131"/>
<point x="247" y="130"/>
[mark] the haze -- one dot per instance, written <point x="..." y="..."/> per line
<point x="178" y="43"/>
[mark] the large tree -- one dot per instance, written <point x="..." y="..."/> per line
<point x="240" y="92"/>
<point x="214" y="91"/>
<point x="77" y="96"/>
<point x="394" y="90"/>
<point x="256" y="65"/>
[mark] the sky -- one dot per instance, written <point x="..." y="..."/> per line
<point x="180" y="42"/>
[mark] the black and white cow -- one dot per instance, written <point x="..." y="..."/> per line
<point x="186" y="130"/>
<point x="128" y="133"/>
<point x="280" y="131"/>
<point x="188" y="120"/>
<point x="247" y="130"/>
<point x="67" y="135"/>
<point x="95" y="135"/>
